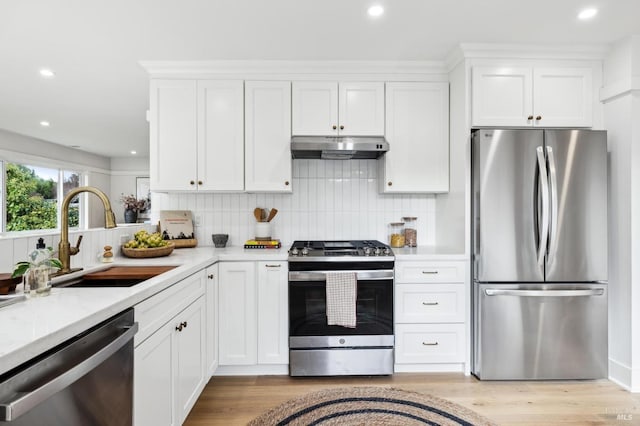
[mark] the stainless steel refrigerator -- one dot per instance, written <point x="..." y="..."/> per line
<point x="539" y="243"/>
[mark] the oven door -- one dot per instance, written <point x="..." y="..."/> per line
<point x="307" y="305"/>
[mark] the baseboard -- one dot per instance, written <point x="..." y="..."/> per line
<point x="252" y="370"/>
<point x="620" y="374"/>
<point x="429" y="368"/>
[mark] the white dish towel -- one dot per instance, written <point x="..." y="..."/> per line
<point x="342" y="288"/>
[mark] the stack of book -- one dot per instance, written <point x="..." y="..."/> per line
<point x="262" y="244"/>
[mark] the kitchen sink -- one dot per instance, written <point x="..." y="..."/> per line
<point x="115" y="276"/>
<point x="9" y="299"/>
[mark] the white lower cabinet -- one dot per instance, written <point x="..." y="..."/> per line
<point x="430" y="311"/>
<point x="253" y="316"/>
<point x="273" y="309"/>
<point x="169" y="358"/>
<point x="211" y="295"/>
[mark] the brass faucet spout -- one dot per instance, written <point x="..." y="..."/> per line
<point x="64" y="247"/>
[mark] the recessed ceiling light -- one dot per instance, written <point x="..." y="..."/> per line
<point x="587" y="13"/>
<point x="134" y="152"/>
<point x="45" y="124"/>
<point x="47" y="73"/>
<point x="375" y="10"/>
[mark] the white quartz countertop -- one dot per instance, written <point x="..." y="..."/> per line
<point x="428" y="253"/>
<point x="33" y="326"/>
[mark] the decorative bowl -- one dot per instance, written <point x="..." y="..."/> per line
<point x="148" y="252"/>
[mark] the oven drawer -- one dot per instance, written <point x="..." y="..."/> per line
<point x="418" y="303"/>
<point x="430" y="343"/>
<point x="430" y="272"/>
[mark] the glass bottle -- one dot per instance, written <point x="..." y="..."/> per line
<point x="396" y="234"/>
<point x="410" y="231"/>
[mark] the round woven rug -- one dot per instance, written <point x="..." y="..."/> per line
<point x="369" y="406"/>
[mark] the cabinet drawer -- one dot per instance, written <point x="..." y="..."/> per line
<point x="418" y="303"/>
<point x="429" y="343"/>
<point x="430" y="272"/>
<point x="152" y="313"/>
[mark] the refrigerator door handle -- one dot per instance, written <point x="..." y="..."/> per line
<point x="544" y="191"/>
<point x="544" y="293"/>
<point x="553" y="182"/>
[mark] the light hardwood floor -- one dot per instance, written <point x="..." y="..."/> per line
<point x="236" y="400"/>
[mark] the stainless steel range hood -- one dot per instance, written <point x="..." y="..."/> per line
<point x="338" y="147"/>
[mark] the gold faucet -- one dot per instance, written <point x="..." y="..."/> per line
<point x="65" y="251"/>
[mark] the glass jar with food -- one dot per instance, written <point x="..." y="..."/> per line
<point x="396" y="234"/>
<point x="410" y="231"/>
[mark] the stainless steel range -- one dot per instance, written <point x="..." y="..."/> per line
<point x="319" y="349"/>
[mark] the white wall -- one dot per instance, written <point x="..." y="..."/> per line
<point x="330" y="200"/>
<point x="621" y="97"/>
<point x="450" y="207"/>
<point x="124" y="171"/>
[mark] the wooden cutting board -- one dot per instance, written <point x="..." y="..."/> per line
<point x="128" y="272"/>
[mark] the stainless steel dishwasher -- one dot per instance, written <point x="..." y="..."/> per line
<point x="87" y="380"/>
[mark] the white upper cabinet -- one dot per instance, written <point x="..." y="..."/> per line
<point x="173" y="134"/>
<point x="197" y="135"/>
<point x="330" y="109"/>
<point x="526" y="96"/>
<point x="417" y="129"/>
<point x="221" y="135"/>
<point x="562" y="97"/>
<point x="268" y="136"/>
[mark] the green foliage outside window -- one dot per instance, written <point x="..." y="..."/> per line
<point x="31" y="201"/>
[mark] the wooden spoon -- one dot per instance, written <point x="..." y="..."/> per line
<point x="257" y="213"/>
<point x="272" y="214"/>
<point x="263" y="215"/>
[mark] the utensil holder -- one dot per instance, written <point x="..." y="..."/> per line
<point x="263" y="231"/>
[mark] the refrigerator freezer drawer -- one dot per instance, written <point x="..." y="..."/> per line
<point x="533" y="331"/>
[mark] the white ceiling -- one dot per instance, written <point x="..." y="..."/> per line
<point x="98" y="99"/>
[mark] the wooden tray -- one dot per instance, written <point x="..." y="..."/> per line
<point x="148" y="252"/>
<point x="8" y="284"/>
<point x="184" y="243"/>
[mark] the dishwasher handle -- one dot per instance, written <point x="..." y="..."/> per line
<point x="543" y="293"/>
<point x="26" y="400"/>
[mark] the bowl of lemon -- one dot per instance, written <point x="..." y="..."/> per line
<point x="146" y="245"/>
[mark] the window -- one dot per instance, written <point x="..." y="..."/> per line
<point x="32" y="196"/>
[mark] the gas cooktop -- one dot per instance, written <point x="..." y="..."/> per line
<point x="342" y="250"/>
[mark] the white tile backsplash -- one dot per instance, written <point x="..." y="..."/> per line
<point x="15" y="248"/>
<point x="330" y="200"/>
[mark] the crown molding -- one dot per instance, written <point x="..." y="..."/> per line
<point x="534" y="51"/>
<point x="289" y="69"/>
<point x="620" y="88"/>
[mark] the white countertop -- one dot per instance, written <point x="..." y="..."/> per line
<point x="37" y="324"/>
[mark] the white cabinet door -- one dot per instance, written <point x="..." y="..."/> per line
<point x="173" y="135"/>
<point x="212" y="319"/>
<point x="237" y="311"/>
<point x="562" y="97"/>
<point x="361" y="109"/>
<point x="273" y="329"/>
<point x="190" y="356"/>
<point x="220" y="135"/>
<point x="325" y="108"/>
<point x="417" y="129"/>
<point x="154" y="379"/>
<point x="314" y="108"/>
<point x="502" y="96"/>
<point x="268" y="136"/>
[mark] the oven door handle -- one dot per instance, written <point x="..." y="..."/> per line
<point x="383" y="274"/>
<point x="28" y="399"/>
